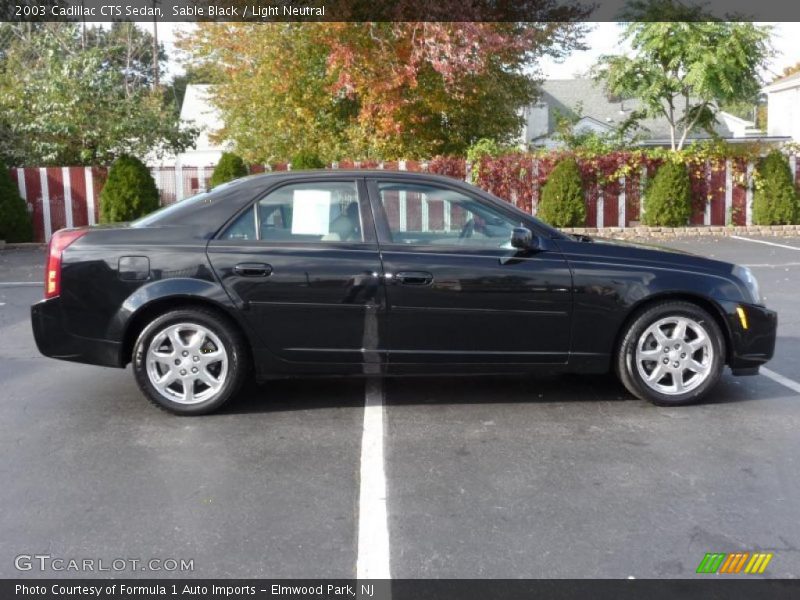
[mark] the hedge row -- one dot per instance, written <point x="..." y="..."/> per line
<point x="557" y="184"/>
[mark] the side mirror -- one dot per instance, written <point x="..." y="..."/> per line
<point x="522" y="239"/>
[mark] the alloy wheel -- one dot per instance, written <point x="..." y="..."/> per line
<point x="674" y="355"/>
<point x="187" y="363"/>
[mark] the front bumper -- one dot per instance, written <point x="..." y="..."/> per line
<point x="53" y="339"/>
<point x="754" y="345"/>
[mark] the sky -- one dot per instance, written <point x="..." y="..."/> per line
<point x="602" y="39"/>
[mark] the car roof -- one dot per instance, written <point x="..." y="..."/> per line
<point x="336" y="173"/>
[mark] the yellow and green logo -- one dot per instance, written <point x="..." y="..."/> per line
<point x="719" y="562"/>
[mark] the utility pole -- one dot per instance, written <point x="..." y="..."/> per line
<point x="155" y="47"/>
<point x="83" y="27"/>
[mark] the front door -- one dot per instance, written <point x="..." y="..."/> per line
<point x="303" y="262"/>
<point x="457" y="291"/>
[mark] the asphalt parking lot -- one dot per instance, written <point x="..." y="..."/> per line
<point x="484" y="478"/>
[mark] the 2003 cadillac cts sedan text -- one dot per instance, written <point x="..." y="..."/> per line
<point x="383" y="273"/>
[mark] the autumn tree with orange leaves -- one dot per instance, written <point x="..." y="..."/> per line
<point x="373" y="90"/>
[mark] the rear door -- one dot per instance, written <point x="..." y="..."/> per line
<point x="303" y="263"/>
<point x="458" y="293"/>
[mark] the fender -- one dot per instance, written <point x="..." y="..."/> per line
<point x="173" y="288"/>
<point x="608" y="289"/>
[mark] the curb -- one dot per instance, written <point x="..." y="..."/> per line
<point x="701" y="231"/>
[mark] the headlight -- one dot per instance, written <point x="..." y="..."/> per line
<point x="749" y="280"/>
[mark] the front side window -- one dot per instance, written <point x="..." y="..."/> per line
<point x="304" y="212"/>
<point x="427" y="214"/>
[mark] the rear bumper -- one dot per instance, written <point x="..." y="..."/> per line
<point x="754" y="345"/>
<point x="53" y="339"/>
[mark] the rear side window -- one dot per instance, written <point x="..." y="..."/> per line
<point x="305" y="212"/>
<point x="244" y="228"/>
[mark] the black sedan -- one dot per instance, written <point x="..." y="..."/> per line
<point x="385" y="273"/>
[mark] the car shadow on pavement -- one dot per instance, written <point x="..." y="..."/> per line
<point x="281" y="395"/>
<point x="326" y="393"/>
<point x="505" y="389"/>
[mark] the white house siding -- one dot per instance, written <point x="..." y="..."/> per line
<point x="783" y="109"/>
<point x="198" y="111"/>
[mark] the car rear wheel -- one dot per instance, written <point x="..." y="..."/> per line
<point x="672" y="353"/>
<point x="189" y="361"/>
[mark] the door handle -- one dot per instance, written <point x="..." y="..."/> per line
<point x="253" y="269"/>
<point x="414" y="278"/>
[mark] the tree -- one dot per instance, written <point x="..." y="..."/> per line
<point x="305" y="160"/>
<point x="130" y="50"/>
<point x="229" y="167"/>
<point x="562" y="203"/>
<point x="62" y="103"/>
<point x="378" y="90"/>
<point x="683" y="71"/>
<point x="274" y="97"/>
<point x="15" y="223"/>
<point x="668" y="198"/>
<point x="129" y="193"/>
<point x="775" y="201"/>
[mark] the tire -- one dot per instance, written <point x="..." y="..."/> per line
<point x="190" y="361"/>
<point x="656" y="363"/>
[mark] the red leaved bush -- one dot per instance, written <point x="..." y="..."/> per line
<point x="452" y="166"/>
<point x="511" y="177"/>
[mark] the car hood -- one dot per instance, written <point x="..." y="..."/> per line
<point x="657" y="255"/>
<point x="640" y="245"/>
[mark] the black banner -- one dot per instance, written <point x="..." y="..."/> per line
<point x="398" y="10"/>
<point x="710" y="588"/>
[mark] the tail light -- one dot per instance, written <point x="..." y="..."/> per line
<point x="58" y="243"/>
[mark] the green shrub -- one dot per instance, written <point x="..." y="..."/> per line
<point x="483" y="147"/>
<point x="229" y="167"/>
<point x="562" y="203"/>
<point x="129" y="193"/>
<point x="15" y="223"/>
<point x="668" y="198"/>
<point x="775" y="201"/>
<point x="306" y="160"/>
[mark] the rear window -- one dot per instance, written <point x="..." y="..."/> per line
<point x="170" y="210"/>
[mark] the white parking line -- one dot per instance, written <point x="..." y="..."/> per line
<point x="744" y="239"/>
<point x="778" y="378"/>
<point x="769" y="266"/>
<point x="20" y="283"/>
<point x="373" y="528"/>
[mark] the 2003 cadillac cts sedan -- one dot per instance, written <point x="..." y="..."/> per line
<point x="385" y="273"/>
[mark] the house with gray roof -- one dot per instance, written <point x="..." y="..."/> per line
<point x="591" y="108"/>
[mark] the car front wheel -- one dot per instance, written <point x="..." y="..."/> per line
<point x="672" y="353"/>
<point x="189" y="361"/>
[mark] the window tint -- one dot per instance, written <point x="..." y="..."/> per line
<point x="313" y="212"/>
<point x="178" y="211"/>
<point x="426" y="214"/>
<point x="243" y="228"/>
